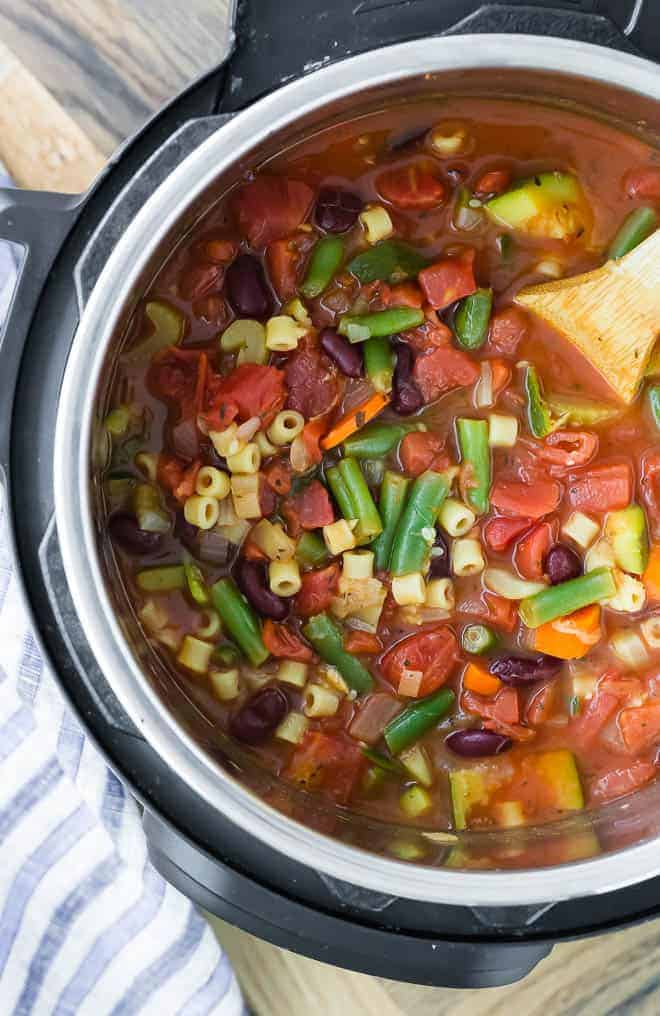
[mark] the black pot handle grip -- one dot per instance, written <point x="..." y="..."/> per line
<point x="38" y="222"/>
<point x="276" y="42"/>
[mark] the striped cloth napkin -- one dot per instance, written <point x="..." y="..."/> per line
<point x="87" y="926"/>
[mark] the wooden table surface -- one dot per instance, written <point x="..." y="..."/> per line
<point x="109" y="64"/>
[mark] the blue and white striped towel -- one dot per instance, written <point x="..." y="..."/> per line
<point x="87" y="926"/>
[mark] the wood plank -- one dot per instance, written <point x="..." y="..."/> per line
<point x="41" y="146"/>
<point x="111" y="63"/>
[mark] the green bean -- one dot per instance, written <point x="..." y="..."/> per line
<point x="196" y="582"/>
<point x="479" y="639"/>
<point x="415" y="533"/>
<point x="475" y="452"/>
<point x="326" y="259"/>
<point x="417" y="718"/>
<point x="393" y="491"/>
<point x="392" y="766"/>
<point x="636" y="227"/>
<point x="567" y="597"/>
<point x="369" y="521"/>
<point x="373" y="471"/>
<point x="387" y="261"/>
<point x="539" y="416"/>
<point x="358" y="327"/>
<point x="162" y="579"/>
<point x="376" y="439"/>
<point x="341" y="493"/>
<point x="240" y="620"/>
<point x="379" y="362"/>
<point x="654" y="403"/>
<point x="472" y="319"/>
<point x="326" y="638"/>
<point x="311" y="550"/>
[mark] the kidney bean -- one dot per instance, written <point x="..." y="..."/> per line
<point x="337" y="210"/>
<point x="476" y="743"/>
<point x="252" y="580"/>
<point x="524" y="670"/>
<point x="439" y="567"/>
<point x="125" y="531"/>
<point x="347" y="357"/>
<point x="406" y="396"/>
<point x="247" y="287"/>
<point x="260" y="716"/>
<point x="561" y="564"/>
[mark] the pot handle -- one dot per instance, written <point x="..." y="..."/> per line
<point x="38" y="222"/>
<point x="272" y="48"/>
<point x="288" y="922"/>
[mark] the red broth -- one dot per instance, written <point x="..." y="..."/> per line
<point x="410" y="676"/>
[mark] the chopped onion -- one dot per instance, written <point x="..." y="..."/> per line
<point x="483" y="389"/>
<point x="247" y="430"/>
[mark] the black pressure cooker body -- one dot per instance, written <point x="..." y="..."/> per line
<point x="66" y="241"/>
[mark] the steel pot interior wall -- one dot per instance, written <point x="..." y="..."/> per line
<point x="580" y="837"/>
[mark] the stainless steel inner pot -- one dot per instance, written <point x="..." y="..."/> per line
<point x="610" y="84"/>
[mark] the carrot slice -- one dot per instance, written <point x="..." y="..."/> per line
<point x="476" y="678"/>
<point x="651" y="577"/>
<point x="357" y="418"/>
<point x="570" y="637"/>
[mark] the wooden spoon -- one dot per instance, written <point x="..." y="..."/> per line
<point x="611" y="315"/>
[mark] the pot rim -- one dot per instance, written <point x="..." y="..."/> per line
<point x="72" y="457"/>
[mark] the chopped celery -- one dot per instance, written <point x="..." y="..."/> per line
<point x="168" y="328"/>
<point x="162" y="579"/>
<point x="117" y="421"/>
<point x="415" y="801"/>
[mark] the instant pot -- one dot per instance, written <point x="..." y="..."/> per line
<point x="454" y="914"/>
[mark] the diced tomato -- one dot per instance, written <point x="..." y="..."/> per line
<point x="411" y="188"/>
<point x="200" y="280"/>
<point x="448" y="280"/>
<point x="327" y="764"/>
<point x="493" y="609"/>
<point x="650" y="484"/>
<point x="622" y="781"/>
<point x="278" y="474"/>
<point x="504" y="707"/>
<point x="267" y="497"/>
<point x="257" y="390"/>
<point x="285" y="259"/>
<point x="442" y="369"/>
<point x="643" y="183"/>
<point x="362" y="642"/>
<point x="602" y="488"/>
<point x="219" y="252"/>
<point x="541" y="705"/>
<point x="500" y="532"/>
<point x="405" y="294"/>
<point x="313" y="506"/>
<point x="568" y="449"/>
<point x="281" y="642"/>
<point x="311" y="381"/>
<point x="175" y="375"/>
<point x="433" y="652"/>
<point x="422" y="450"/>
<point x="526" y="500"/>
<point x="640" y="726"/>
<point x="530" y="552"/>
<point x="169" y="472"/>
<point x="271" y="207"/>
<point x="374" y="713"/>
<point x="596" y="712"/>
<point x="217" y="410"/>
<point x="508" y="327"/>
<point x="624" y="686"/>
<point x="186" y="486"/>
<point x="251" y="552"/>
<point x="318" y="590"/>
<point x="428" y="335"/>
<point x="493" y="182"/>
